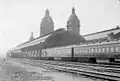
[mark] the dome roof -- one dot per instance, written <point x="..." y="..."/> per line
<point x="73" y="18"/>
<point x="47" y="18"/>
<point x="62" y="38"/>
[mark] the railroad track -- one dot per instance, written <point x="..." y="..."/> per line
<point x="84" y="69"/>
<point x="99" y="67"/>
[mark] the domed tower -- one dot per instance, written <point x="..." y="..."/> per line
<point x="47" y="24"/>
<point x="73" y="23"/>
<point x="31" y="37"/>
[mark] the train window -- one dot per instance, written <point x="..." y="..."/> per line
<point x="92" y="50"/>
<point x="112" y="49"/>
<point x="96" y="50"/>
<point x="34" y="55"/>
<point x="86" y="50"/>
<point x="117" y="49"/>
<point x="103" y="49"/>
<point x="37" y="51"/>
<point x="30" y="54"/>
<point x="107" y="49"/>
<point x="78" y="51"/>
<point x="89" y="50"/>
<point x="38" y="55"/>
<point x="81" y="50"/>
<point x="68" y="51"/>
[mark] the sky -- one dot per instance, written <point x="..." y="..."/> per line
<point x="18" y="18"/>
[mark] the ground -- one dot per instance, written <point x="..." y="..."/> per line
<point x="14" y="71"/>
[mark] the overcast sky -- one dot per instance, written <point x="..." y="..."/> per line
<point x="18" y="18"/>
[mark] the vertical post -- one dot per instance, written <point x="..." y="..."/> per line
<point x="40" y="53"/>
<point x="72" y="54"/>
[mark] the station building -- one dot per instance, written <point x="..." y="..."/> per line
<point x="50" y="38"/>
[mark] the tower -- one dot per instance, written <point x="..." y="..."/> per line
<point x="31" y="37"/>
<point x="47" y="24"/>
<point x="73" y="23"/>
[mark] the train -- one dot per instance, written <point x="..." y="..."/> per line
<point x="103" y="52"/>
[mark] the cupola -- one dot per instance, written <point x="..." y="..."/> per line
<point x="47" y="24"/>
<point x="73" y="23"/>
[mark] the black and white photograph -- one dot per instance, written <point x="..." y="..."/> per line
<point x="59" y="40"/>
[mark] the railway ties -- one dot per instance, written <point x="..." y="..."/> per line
<point x="94" y="67"/>
<point x="97" y="72"/>
<point x="98" y="67"/>
<point x="83" y="66"/>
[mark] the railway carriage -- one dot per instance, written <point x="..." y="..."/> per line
<point x="100" y="52"/>
<point x="97" y="52"/>
<point x="58" y="53"/>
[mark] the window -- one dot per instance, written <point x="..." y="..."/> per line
<point x="81" y="50"/>
<point x="107" y="49"/>
<point x="86" y="51"/>
<point x="92" y="50"/>
<point x="96" y="50"/>
<point x="112" y="49"/>
<point x="103" y="49"/>
<point x="100" y="49"/>
<point x="117" y="49"/>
